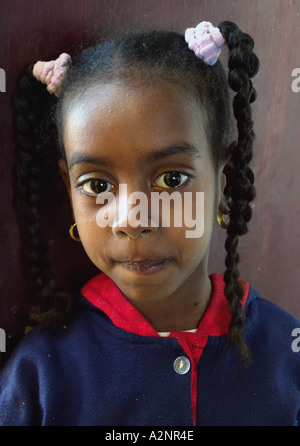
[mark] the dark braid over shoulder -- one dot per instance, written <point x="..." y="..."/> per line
<point x="29" y="104"/>
<point x="243" y="64"/>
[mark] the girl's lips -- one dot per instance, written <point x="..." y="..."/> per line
<point x="145" y="266"/>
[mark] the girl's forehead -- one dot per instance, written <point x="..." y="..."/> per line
<point x="150" y="114"/>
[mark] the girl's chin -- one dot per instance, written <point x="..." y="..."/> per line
<point x="150" y="284"/>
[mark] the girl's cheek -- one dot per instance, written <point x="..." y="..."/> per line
<point x="85" y="207"/>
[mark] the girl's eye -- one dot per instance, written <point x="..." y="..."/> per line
<point x="171" y="179"/>
<point x="95" y="187"/>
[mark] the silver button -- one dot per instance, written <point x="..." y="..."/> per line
<point x="181" y="365"/>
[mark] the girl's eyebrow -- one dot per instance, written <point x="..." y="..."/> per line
<point x="174" y="150"/>
<point x="78" y="157"/>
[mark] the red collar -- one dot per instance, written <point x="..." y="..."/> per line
<point x="103" y="293"/>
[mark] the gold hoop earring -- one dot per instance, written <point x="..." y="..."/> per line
<point x="71" y="232"/>
<point x="221" y="221"/>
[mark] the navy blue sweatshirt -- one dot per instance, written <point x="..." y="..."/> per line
<point x="109" y="367"/>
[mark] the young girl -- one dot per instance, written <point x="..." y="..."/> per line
<point x="151" y="340"/>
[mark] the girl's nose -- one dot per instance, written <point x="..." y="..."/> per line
<point x="133" y="222"/>
<point x="131" y="232"/>
<point x="133" y="216"/>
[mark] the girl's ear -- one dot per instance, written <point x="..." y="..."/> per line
<point x="64" y="171"/>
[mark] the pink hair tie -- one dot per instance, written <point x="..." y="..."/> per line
<point x="205" y="40"/>
<point x="53" y="73"/>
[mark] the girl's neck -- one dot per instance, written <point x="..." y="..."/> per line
<point x="182" y="310"/>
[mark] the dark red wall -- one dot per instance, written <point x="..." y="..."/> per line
<point x="41" y="29"/>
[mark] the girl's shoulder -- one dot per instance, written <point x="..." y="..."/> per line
<point x="271" y="325"/>
<point x="41" y="343"/>
<point x="265" y="309"/>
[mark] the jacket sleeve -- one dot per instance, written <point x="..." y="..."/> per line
<point x="19" y="401"/>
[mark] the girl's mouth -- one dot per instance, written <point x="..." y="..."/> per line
<point x="145" y="266"/>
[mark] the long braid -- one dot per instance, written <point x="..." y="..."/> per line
<point x="29" y="104"/>
<point x="243" y="64"/>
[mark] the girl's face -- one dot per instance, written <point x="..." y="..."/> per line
<point x="150" y="138"/>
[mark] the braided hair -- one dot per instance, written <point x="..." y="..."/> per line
<point x="29" y="101"/>
<point x="138" y="56"/>
<point x="243" y="64"/>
